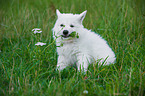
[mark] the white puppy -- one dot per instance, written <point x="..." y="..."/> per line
<point x="78" y="45"/>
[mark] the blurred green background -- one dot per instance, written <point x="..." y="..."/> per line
<point x="26" y="69"/>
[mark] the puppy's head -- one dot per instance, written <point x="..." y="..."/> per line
<point x="67" y="23"/>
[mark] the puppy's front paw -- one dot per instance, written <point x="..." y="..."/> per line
<point x="60" y="67"/>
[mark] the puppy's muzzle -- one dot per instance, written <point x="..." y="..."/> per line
<point x="65" y="33"/>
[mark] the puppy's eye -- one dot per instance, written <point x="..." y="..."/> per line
<point x="72" y="26"/>
<point x="61" y="25"/>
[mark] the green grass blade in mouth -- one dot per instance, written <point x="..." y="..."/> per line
<point x="74" y="34"/>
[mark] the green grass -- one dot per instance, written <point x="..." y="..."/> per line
<point x="26" y="69"/>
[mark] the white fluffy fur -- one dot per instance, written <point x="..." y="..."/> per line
<point x="82" y="51"/>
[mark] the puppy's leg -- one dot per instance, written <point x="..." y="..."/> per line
<point x="61" y="63"/>
<point x="82" y="63"/>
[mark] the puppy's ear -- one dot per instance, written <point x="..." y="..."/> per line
<point x="58" y="12"/>
<point x="82" y="16"/>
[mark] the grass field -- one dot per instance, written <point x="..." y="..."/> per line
<point x="27" y="70"/>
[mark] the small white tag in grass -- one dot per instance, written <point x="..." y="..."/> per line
<point x="40" y="43"/>
<point x="36" y="30"/>
<point x="85" y="92"/>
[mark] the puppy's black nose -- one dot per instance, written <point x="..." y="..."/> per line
<point x="65" y="32"/>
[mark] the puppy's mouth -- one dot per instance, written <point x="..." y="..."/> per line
<point x="72" y="35"/>
<point x="65" y="36"/>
